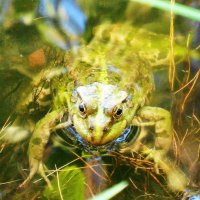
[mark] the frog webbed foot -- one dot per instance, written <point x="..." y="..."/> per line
<point x="41" y="171"/>
<point x="36" y="166"/>
<point x="158" y="120"/>
<point x="38" y="142"/>
<point x="155" y="156"/>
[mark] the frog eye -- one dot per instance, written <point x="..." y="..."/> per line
<point x="82" y="109"/>
<point x="118" y="112"/>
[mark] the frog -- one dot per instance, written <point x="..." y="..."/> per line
<point x="100" y="92"/>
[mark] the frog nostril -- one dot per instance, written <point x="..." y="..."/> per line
<point x="105" y="130"/>
<point x="91" y="128"/>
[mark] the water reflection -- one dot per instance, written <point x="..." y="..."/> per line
<point x="4" y="6"/>
<point x="63" y="22"/>
<point x="60" y="22"/>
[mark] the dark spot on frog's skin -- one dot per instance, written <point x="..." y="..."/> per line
<point x="105" y="130"/>
<point x="92" y="138"/>
<point x="36" y="141"/>
<point x="124" y="101"/>
<point x="91" y="128"/>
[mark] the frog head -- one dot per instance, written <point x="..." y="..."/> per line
<point x="101" y="112"/>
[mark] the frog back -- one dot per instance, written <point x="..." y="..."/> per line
<point x="113" y="57"/>
<point x="118" y="54"/>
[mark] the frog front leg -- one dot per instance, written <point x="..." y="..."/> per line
<point x="39" y="140"/>
<point x="160" y="119"/>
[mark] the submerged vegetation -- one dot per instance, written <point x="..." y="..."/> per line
<point x="43" y="36"/>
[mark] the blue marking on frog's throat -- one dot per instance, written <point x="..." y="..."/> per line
<point x="129" y="134"/>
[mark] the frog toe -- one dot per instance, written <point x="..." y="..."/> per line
<point x="41" y="171"/>
<point x="34" y="166"/>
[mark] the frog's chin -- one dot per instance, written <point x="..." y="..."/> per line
<point x="103" y="148"/>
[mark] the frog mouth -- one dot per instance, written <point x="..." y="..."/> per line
<point x="128" y="136"/>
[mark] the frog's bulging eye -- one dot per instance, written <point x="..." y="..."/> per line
<point x="118" y="112"/>
<point x="82" y="109"/>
